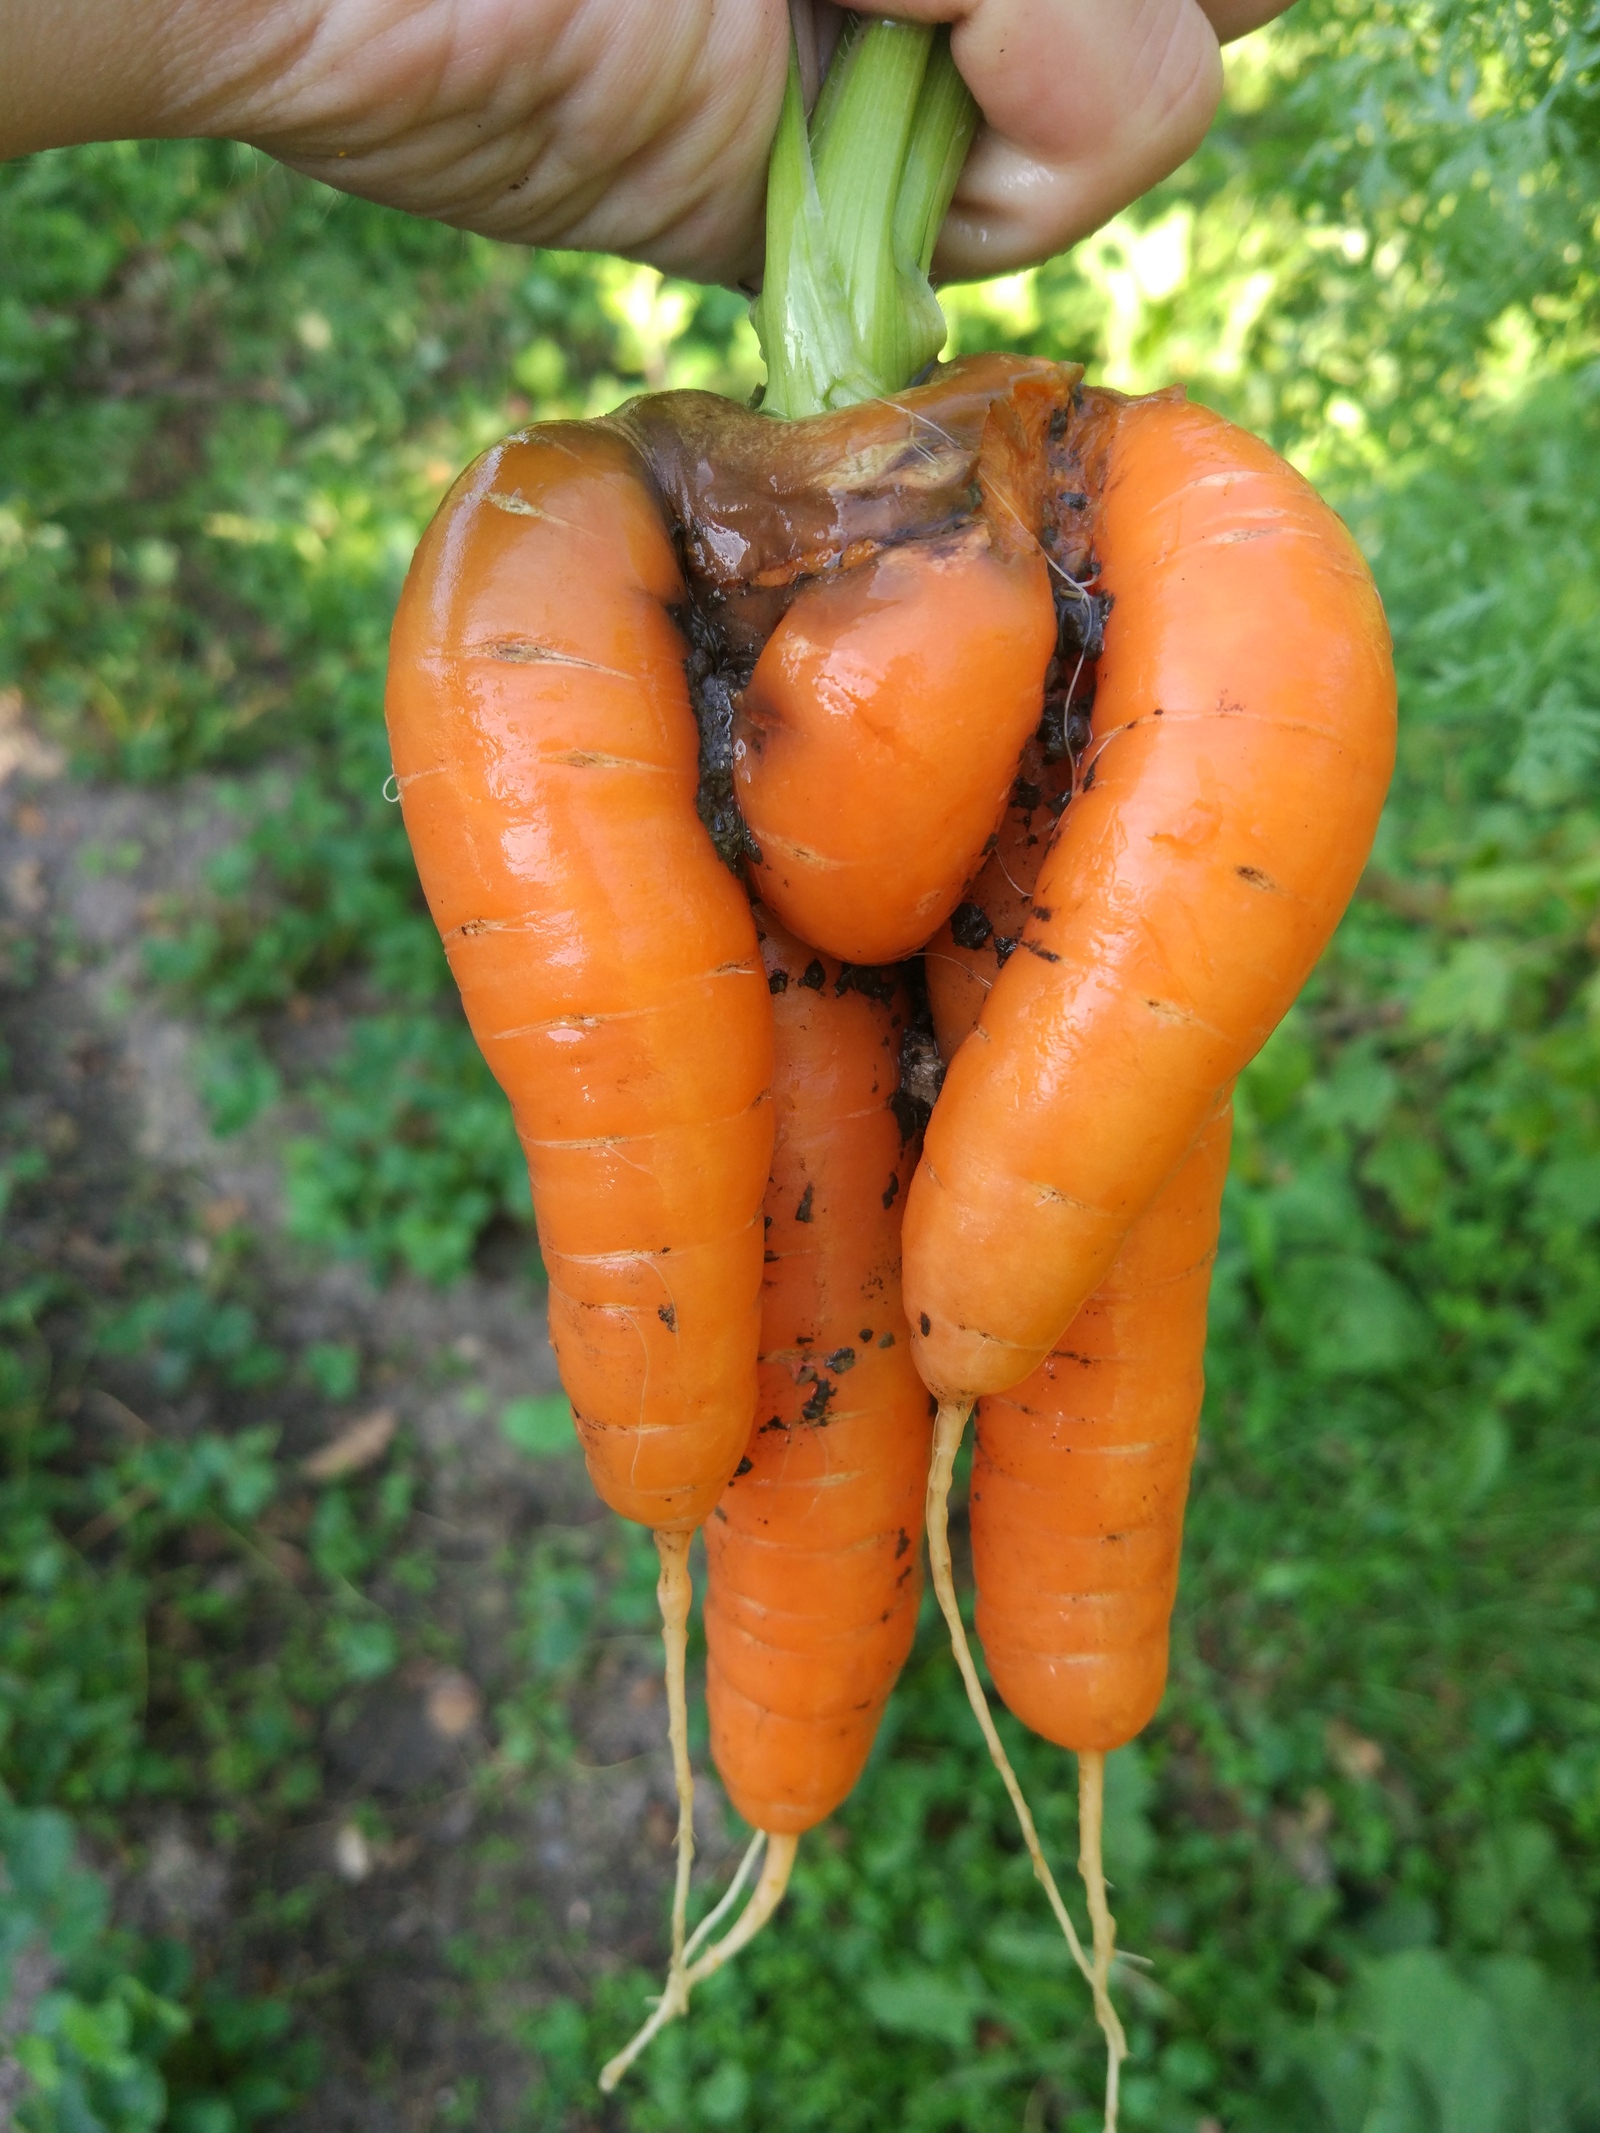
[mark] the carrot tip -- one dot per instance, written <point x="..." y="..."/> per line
<point x="684" y="1975"/>
<point x="675" y="1596"/>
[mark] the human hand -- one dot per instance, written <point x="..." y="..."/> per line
<point x="632" y="126"/>
<point x="1086" y="105"/>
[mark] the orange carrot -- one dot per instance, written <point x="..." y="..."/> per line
<point x="813" y="1559"/>
<point x="1080" y="1475"/>
<point x="1243" y="737"/>
<point x="876" y="606"/>
<point x="1078" y="1489"/>
<point x="552" y="764"/>
<point x="547" y="760"/>
<point x="1096" y="997"/>
<point x="1081" y="1471"/>
<point x="546" y="756"/>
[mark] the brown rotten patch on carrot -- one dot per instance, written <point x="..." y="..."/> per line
<point x="873" y="623"/>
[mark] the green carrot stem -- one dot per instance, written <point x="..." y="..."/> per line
<point x="941" y="133"/>
<point x="854" y="206"/>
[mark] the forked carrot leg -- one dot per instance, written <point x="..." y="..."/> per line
<point x="948" y="1430"/>
<point x="674" y="1595"/>
<point x="684" y="1976"/>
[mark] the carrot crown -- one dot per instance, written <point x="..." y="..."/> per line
<point x="855" y="200"/>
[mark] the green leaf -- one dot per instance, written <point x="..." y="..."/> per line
<point x="364" y="1650"/>
<point x="1471" y="992"/>
<point x="923" y="2003"/>
<point x="1484" y="1453"/>
<point x="1570" y="1187"/>
<point x="1410" y="1170"/>
<point x="723" y="2097"/>
<point x="237" y="1083"/>
<point x="207" y="2114"/>
<point x="1349" y="1317"/>
<point x="1560" y="749"/>
<point x="334" y="1367"/>
<point x="539" y="1425"/>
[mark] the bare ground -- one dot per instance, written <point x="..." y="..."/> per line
<point x="488" y="1890"/>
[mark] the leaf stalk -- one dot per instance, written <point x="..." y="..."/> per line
<point x="855" y="202"/>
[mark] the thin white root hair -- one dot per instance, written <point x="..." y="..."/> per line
<point x="947" y="1434"/>
<point x="1091" y="1865"/>
<point x="683" y="1977"/>
<point x="709" y="1924"/>
<point x="673" y="2002"/>
<point x="764" y="1900"/>
<point x="948" y="1431"/>
<point x="675" y="1595"/>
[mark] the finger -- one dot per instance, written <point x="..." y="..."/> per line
<point x="1237" y="18"/>
<point x="1085" y="107"/>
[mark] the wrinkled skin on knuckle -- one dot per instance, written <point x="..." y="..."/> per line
<point x="597" y="125"/>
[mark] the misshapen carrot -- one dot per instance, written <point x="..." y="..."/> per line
<point x="1243" y="737"/>
<point x="813" y="1553"/>
<point x="1076" y="1511"/>
<point x="1154" y="885"/>
<point x="546" y="756"/>
<point x="552" y="765"/>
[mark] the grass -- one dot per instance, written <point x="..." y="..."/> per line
<point x="1361" y="1844"/>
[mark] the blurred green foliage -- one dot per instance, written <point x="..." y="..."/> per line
<point x="160" y="1641"/>
<point x="1361" y="1845"/>
<point x="105" y="2039"/>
